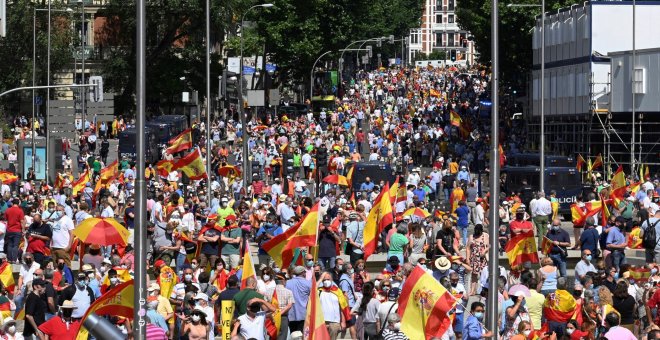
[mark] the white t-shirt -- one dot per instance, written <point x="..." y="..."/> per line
<point x="3" y="230"/>
<point x="253" y="328"/>
<point x="108" y="212"/>
<point x="61" y="236"/>
<point x="330" y="307"/>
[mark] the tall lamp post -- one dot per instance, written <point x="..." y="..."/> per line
<point x="34" y="73"/>
<point x="246" y="167"/>
<point x="542" y="134"/>
<point x="311" y="75"/>
<point x="83" y="98"/>
<point x="208" y="101"/>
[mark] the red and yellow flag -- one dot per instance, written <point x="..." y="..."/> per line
<point x="275" y="247"/>
<point x="640" y="274"/>
<point x="618" y="186"/>
<point x="455" y="118"/>
<point x="7" y="277"/>
<point x="8" y="177"/>
<point x="645" y="173"/>
<point x="122" y="274"/>
<point x="597" y="163"/>
<point x="634" y="187"/>
<point x="59" y="182"/>
<point x="398" y="192"/>
<point x="635" y="238"/>
<point x="274" y="323"/>
<point x="306" y="233"/>
<point x="167" y="279"/>
<point x="424" y="305"/>
<point x="522" y="248"/>
<point x="380" y="216"/>
<point x="578" y="215"/>
<point x="349" y="176"/>
<point x="434" y="93"/>
<point x="555" y="208"/>
<point x="546" y="245"/>
<point x="117" y="301"/>
<point x="248" y="267"/>
<point x="192" y="165"/>
<point x="182" y="142"/>
<point x="314" y="328"/>
<point x="559" y="306"/>
<point x="580" y="162"/>
<point x="164" y="167"/>
<point x="109" y="172"/>
<point x="79" y="184"/>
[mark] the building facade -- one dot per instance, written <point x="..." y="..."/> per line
<point x="439" y="31"/>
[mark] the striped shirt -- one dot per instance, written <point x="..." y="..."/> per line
<point x="155" y="333"/>
<point x="284" y="296"/>
<point x="389" y="334"/>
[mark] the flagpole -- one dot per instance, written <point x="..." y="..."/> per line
<point x="493" y="268"/>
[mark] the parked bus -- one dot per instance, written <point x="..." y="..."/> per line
<point x="527" y="159"/>
<point x="377" y="171"/>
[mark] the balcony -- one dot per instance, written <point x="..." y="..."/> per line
<point x="87" y="2"/>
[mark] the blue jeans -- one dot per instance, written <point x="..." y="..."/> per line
<point x="559" y="261"/>
<point x="181" y="260"/>
<point x="12" y="240"/>
<point x="464" y="233"/>
<point x="618" y="258"/>
<point x="327" y="263"/>
<point x="458" y="323"/>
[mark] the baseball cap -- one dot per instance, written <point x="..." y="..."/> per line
<point x="202" y="296"/>
<point x="393" y="294"/>
<point x="39" y="282"/>
<point x="153" y="286"/>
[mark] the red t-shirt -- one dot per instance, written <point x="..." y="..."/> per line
<point x="14" y="217"/>
<point x="56" y="328"/>
<point x="520" y="226"/>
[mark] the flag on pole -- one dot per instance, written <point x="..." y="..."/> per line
<point x="455" y="118"/>
<point x="546" y="245"/>
<point x="578" y="214"/>
<point x="164" y="167"/>
<point x="618" y="186"/>
<point x="349" y="176"/>
<point x="522" y="248"/>
<point x="8" y="177"/>
<point x="275" y="247"/>
<point x="598" y="162"/>
<point x="640" y="274"/>
<point x="117" y="301"/>
<point x="380" y="216"/>
<point x="248" y="267"/>
<point x="7" y="277"/>
<point x="314" y="327"/>
<point x="192" y="165"/>
<point x="424" y="305"/>
<point x="182" y="142"/>
<point x="274" y="323"/>
<point x="307" y="231"/>
<point x="79" y="184"/>
<point x="559" y="306"/>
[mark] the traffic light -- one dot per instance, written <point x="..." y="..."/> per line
<point x="96" y="92"/>
<point x="231" y="87"/>
<point x="3" y="18"/>
<point x="370" y="51"/>
<point x="379" y="43"/>
<point x="391" y="38"/>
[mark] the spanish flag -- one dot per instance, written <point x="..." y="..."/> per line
<point x="455" y="118"/>
<point x="546" y="245"/>
<point x="618" y="186"/>
<point x="5" y="307"/>
<point x="578" y="215"/>
<point x="248" y="267"/>
<point x="522" y="248"/>
<point x="635" y="239"/>
<point x="634" y="187"/>
<point x="555" y="208"/>
<point x="434" y="93"/>
<point x="644" y="173"/>
<point x="424" y="305"/>
<point x="349" y="176"/>
<point x="580" y="162"/>
<point x="182" y="142"/>
<point x="117" y="301"/>
<point x="380" y="216"/>
<point x="59" y="182"/>
<point x="164" y="167"/>
<point x="559" y="306"/>
<point x="306" y="233"/>
<point x="640" y="274"/>
<point x="314" y="328"/>
<point x="275" y="247"/>
<point x="274" y="323"/>
<point x="8" y="177"/>
<point x="192" y="165"/>
<point x="398" y="192"/>
<point x="343" y="301"/>
<point x="79" y="184"/>
<point x="456" y="196"/>
<point x="109" y="172"/>
<point x="598" y="162"/>
<point x="7" y="277"/>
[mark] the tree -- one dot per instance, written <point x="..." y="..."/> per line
<point x="16" y="50"/>
<point x="515" y="31"/>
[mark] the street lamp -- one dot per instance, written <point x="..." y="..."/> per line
<point x="34" y="67"/>
<point x="208" y="101"/>
<point x="246" y="169"/>
<point x="341" y="57"/>
<point x="311" y="75"/>
<point x="82" y="62"/>
<point x="542" y="134"/>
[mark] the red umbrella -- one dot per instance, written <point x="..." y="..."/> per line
<point x="259" y="128"/>
<point x="336" y="179"/>
<point x="229" y="171"/>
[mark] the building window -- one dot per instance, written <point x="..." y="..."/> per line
<point x="450" y="39"/>
<point x="438" y="18"/>
<point x="639" y="81"/>
<point x="451" y="5"/>
<point x="450" y="18"/>
<point x="438" y="39"/>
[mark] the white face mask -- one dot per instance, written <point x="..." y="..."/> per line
<point x="527" y="333"/>
<point x="397" y="326"/>
<point x="570" y="331"/>
<point x="266" y="277"/>
<point x="193" y="266"/>
<point x="11" y="329"/>
<point x="377" y="283"/>
<point x="114" y="280"/>
<point x="327" y="283"/>
<point x="196" y="318"/>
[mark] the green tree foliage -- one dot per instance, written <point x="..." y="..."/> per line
<point x="16" y="49"/>
<point x="516" y="25"/>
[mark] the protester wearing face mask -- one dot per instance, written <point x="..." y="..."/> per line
<point x="196" y="326"/>
<point x="155" y="317"/>
<point x="616" y="242"/>
<point x="584" y="266"/>
<point x="560" y="241"/>
<point x="164" y="307"/>
<point x="80" y="294"/>
<point x="393" y="329"/>
<point x="520" y="224"/>
<point x="9" y="331"/>
<point x="62" y="276"/>
<point x="333" y="305"/>
<point x="64" y="326"/>
<point x="202" y="303"/>
<point x="473" y="329"/>
<point x="266" y="280"/>
<point x="442" y="266"/>
<point x="25" y="276"/>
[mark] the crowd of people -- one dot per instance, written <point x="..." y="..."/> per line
<point x="404" y="117"/>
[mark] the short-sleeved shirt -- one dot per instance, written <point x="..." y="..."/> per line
<point x="371" y="312"/>
<point x="231" y="248"/>
<point x="210" y="248"/>
<point x="241" y="299"/>
<point x="56" y="328"/>
<point x="462" y="212"/>
<point x="14" y="217"/>
<point x="35" y="245"/>
<point x="447" y="240"/>
<point x="355" y="231"/>
<point x="614" y="236"/>
<point x="253" y="328"/>
<point x="560" y="235"/>
<point x="36" y="307"/>
<point x="398" y="243"/>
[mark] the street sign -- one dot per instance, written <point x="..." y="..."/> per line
<point x="255" y="98"/>
<point x="96" y="92"/>
<point x="234" y="64"/>
<point x="38" y="100"/>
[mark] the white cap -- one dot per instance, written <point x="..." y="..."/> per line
<point x="202" y="296"/>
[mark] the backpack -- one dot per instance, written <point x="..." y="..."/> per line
<point x="649" y="239"/>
